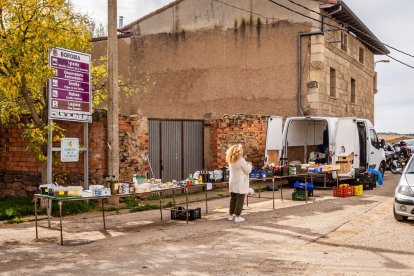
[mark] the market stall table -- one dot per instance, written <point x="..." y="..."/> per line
<point x="61" y="199"/>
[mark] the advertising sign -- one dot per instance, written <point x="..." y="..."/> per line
<point x="70" y="93"/>
<point x="69" y="150"/>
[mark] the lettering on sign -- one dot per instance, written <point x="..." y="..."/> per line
<point x="66" y="116"/>
<point x="70" y="95"/>
<point x="69" y="150"/>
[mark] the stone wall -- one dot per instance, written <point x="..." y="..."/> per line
<point x="20" y="171"/>
<point x="326" y="53"/>
<point x="133" y="146"/>
<point x="249" y="130"/>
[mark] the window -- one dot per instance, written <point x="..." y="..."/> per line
<point x="333" y="82"/>
<point x="361" y="55"/>
<point x="352" y="90"/>
<point x="344" y="42"/>
<point x="374" y="138"/>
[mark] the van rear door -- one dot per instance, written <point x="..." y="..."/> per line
<point x="273" y="149"/>
<point x="347" y="146"/>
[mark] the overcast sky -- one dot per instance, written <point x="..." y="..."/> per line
<point x="390" y="21"/>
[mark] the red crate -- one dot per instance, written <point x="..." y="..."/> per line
<point x="343" y="191"/>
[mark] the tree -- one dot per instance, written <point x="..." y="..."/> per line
<point x="28" y="29"/>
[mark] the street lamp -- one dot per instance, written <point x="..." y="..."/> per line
<point x="382" y="60"/>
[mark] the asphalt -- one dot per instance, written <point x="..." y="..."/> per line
<point x="326" y="236"/>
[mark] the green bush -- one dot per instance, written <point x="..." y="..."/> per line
<point x="74" y="207"/>
<point x="16" y="207"/>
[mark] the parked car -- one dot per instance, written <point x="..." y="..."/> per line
<point x="410" y="144"/>
<point x="404" y="194"/>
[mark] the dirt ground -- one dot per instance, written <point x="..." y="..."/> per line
<point x="326" y="236"/>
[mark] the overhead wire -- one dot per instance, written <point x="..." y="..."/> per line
<point x="319" y="21"/>
<point x="355" y="29"/>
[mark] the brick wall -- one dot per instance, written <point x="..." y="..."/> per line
<point x="20" y="172"/>
<point x="249" y="130"/>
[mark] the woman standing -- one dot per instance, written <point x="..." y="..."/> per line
<point x="238" y="180"/>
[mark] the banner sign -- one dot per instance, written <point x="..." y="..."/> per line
<point x="69" y="150"/>
<point x="70" y="90"/>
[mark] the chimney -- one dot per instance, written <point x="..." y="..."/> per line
<point x="121" y="21"/>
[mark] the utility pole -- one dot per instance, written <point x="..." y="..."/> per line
<point x="113" y="120"/>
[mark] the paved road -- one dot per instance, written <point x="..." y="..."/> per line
<point x="329" y="236"/>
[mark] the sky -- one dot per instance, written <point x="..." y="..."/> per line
<point x="390" y="21"/>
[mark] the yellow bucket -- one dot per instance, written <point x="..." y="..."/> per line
<point x="358" y="190"/>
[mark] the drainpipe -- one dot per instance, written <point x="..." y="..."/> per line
<point x="300" y="35"/>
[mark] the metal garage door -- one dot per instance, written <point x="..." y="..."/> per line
<point x="175" y="148"/>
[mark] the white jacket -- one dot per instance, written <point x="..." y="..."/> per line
<point x="239" y="176"/>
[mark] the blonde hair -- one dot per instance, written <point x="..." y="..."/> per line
<point x="234" y="153"/>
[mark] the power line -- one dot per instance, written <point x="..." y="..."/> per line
<point x="235" y="7"/>
<point x="319" y="21"/>
<point x="287" y="8"/>
<point x="322" y="22"/>
<point x="355" y="29"/>
<point x="410" y="55"/>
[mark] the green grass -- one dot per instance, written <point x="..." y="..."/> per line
<point x="74" y="207"/>
<point x="12" y="210"/>
<point x="145" y="207"/>
<point x="16" y="208"/>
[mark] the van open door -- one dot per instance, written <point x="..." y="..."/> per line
<point x="273" y="149"/>
<point x="347" y="147"/>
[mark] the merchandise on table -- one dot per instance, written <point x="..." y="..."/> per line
<point x="75" y="190"/>
<point x="111" y="183"/>
<point x="99" y="190"/>
<point x="87" y="193"/>
<point x="56" y="190"/>
<point x="44" y="188"/>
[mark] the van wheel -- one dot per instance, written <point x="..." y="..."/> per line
<point x="399" y="217"/>
<point x="382" y="168"/>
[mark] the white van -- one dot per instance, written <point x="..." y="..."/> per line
<point x="338" y="140"/>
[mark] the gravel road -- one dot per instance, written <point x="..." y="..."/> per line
<point x="326" y="236"/>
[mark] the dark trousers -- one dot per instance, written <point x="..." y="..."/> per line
<point x="236" y="203"/>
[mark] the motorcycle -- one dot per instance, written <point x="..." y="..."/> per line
<point x="398" y="159"/>
<point x="392" y="160"/>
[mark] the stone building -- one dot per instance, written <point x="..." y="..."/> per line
<point x="208" y="58"/>
<point x="243" y="57"/>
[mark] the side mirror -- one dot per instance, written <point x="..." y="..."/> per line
<point x="382" y="143"/>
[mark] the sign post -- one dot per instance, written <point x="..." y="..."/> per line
<point x="70" y="99"/>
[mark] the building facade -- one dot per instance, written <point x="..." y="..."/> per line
<point x="244" y="57"/>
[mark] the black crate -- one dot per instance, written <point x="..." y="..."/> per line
<point x="368" y="181"/>
<point x="179" y="213"/>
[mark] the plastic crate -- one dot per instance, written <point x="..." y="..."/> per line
<point x="299" y="195"/>
<point x="179" y="213"/>
<point x="358" y="190"/>
<point x="343" y="191"/>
